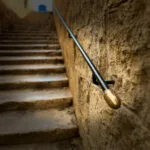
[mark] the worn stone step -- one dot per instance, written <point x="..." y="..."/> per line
<point x="25" y="28"/>
<point x="27" y="46"/>
<point x="69" y="144"/>
<point x="30" y="60"/>
<point x="18" y="127"/>
<point x="28" y="38"/>
<point x="28" y="42"/>
<point x="31" y="69"/>
<point x="28" y="31"/>
<point x="39" y="81"/>
<point x="28" y="34"/>
<point x="34" y="99"/>
<point x="30" y="53"/>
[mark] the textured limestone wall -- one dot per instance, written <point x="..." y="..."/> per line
<point x="115" y="34"/>
<point x="7" y="17"/>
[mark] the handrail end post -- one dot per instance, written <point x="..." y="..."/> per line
<point x="112" y="99"/>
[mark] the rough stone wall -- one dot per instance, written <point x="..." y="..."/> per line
<point x="115" y="34"/>
<point x="7" y="17"/>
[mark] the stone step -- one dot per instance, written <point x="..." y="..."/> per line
<point x="28" y="38"/>
<point x="30" y="53"/>
<point x="69" y="144"/>
<point x="18" y="127"/>
<point x="19" y="31"/>
<point x="28" y="42"/>
<point x="31" y="69"/>
<point x="28" y="34"/>
<point x="25" y="28"/>
<point x="29" y="31"/>
<point x="34" y="99"/>
<point x="38" y="81"/>
<point x="30" y="60"/>
<point x="27" y="46"/>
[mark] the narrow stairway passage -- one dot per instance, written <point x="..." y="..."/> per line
<point x="36" y="110"/>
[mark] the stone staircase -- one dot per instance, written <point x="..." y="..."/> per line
<point x="35" y="100"/>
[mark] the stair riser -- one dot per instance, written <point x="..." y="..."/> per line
<point x="33" y="85"/>
<point x="32" y="32"/>
<point x="34" y="42"/>
<point x="39" y="137"/>
<point x="28" y="38"/>
<point x="28" y="35"/>
<point x="43" y="104"/>
<point x="31" y="54"/>
<point x="33" y="47"/>
<point x="23" y="62"/>
<point x="28" y="31"/>
<point x="32" y="71"/>
<point x="30" y="41"/>
<point x="25" y="29"/>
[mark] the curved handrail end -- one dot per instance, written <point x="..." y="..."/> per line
<point x="112" y="99"/>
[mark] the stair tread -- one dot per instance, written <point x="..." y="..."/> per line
<point x="22" y="67"/>
<point x="25" y="41"/>
<point x="27" y="38"/>
<point x="30" y="95"/>
<point x="28" y="45"/>
<point x="30" y="58"/>
<point x="31" y="32"/>
<point x="32" y="78"/>
<point x="24" y="122"/>
<point x="72" y="144"/>
<point x="29" y="51"/>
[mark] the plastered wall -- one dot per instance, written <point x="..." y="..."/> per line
<point x="18" y="7"/>
<point x="115" y="34"/>
<point x="7" y="17"/>
<point x="34" y="4"/>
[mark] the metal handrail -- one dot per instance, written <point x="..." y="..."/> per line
<point x="112" y="99"/>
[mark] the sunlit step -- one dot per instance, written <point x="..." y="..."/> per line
<point x="38" y="81"/>
<point x="31" y="69"/>
<point x="34" y="99"/>
<point x="41" y="52"/>
<point x="30" y="60"/>
<point x="18" y="127"/>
